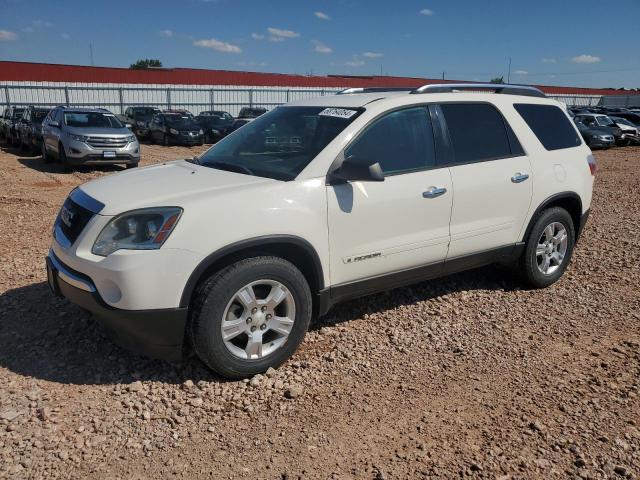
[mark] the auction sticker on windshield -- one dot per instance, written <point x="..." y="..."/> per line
<point x="338" y="112"/>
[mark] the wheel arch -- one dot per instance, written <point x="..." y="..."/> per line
<point x="294" y="249"/>
<point x="570" y="201"/>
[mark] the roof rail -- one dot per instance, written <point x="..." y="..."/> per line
<point x="508" y="89"/>
<point x="347" y="91"/>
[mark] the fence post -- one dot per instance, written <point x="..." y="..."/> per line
<point x="121" y="102"/>
<point x="288" y="95"/>
<point x="66" y="95"/>
<point x="6" y="95"/>
<point x="168" y="99"/>
<point x="211" y="97"/>
<point x="251" y="97"/>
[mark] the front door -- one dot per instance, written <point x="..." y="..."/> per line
<point x="378" y="228"/>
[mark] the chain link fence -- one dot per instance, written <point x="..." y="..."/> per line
<point x="230" y="99"/>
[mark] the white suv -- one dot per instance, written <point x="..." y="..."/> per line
<point x="317" y="202"/>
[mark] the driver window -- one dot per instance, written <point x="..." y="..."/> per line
<point x="400" y="141"/>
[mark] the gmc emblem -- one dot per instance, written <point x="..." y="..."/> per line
<point x="66" y="216"/>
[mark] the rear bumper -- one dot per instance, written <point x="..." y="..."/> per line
<point x="154" y="333"/>
<point x="583" y="222"/>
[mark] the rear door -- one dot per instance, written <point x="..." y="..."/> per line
<point x="491" y="176"/>
<point x="379" y="228"/>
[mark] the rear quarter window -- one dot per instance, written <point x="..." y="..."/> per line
<point x="550" y="124"/>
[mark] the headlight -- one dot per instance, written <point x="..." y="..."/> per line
<point x="131" y="138"/>
<point x="602" y="137"/>
<point x="144" y="229"/>
<point x="200" y="132"/>
<point x="140" y="123"/>
<point x="78" y="138"/>
<point x="174" y="131"/>
<point x="215" y="132"/>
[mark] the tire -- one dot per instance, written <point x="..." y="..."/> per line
<point x="555" y="219"/>
<point x="216" y="299"/>
<point x="165" y="140"/>
<point x="131" y="165"/>
<point x="46" y="158"/>
<point x="62" y="158"/>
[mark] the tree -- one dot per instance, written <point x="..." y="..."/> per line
<point x="497" y="80"/>
<point x="146" y="63"/>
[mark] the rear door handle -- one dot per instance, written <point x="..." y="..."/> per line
<point x="434" y="192"/>
<point x="519" y="177"/>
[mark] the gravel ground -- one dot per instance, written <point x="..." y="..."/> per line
<point x="466" y="376"/>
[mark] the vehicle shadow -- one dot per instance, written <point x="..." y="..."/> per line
<point x="36" y="163"/>
<point x="48" y="338"/>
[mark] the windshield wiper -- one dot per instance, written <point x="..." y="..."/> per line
<point x="230" y="167"/>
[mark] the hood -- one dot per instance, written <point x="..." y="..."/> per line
<point x="94" y="131"/>
<point x="168" y="184"/>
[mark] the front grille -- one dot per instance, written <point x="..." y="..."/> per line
<point x="72" y="219"/>
<point x="107" y="142"/>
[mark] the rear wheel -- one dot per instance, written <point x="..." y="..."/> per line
<point x="165" y="140"/>
<point x="549" y="247"/>
<point x="250" y="316"/>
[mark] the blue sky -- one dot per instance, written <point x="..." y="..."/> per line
<point x="561" y="42"/>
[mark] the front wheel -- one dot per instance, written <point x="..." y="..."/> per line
<point x="250" y="316"/>
<point x="549" y="247"/>
<point x="62" y="158"/>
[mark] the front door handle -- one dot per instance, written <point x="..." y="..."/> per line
<point x="434" y="192"/>
<point x="519" y="177"/>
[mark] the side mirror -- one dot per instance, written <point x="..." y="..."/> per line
<point x="128" y="125"/>
<point x="355" y="169"/>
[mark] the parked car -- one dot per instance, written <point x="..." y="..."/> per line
<point x="139" y="119"/>
<point x="602" y="121"/>
<point x="179" y="111"/>
<point x="632" y="117"/>
<point x="237" y="123"/>
<point x="8" y="126"/>
<point x="214" y="124"/>
<point x="175" y="129"/>
<point x="238" y="248"/>
<point x="29" y="128"/>
<point x="87" y="136"/>
<point x="630" y="131"/>
<point x="596" y="137"/>
<point x="251" y="112"/>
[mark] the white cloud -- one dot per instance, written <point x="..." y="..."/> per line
<point x="356" y="62"/>
<point x="426" y="11"/>
<point x="372" y="55"/>
<point x="549" y="60"/>
<point x="321" y="47"/>
<point x="584" y="58"/>
<point x="521" y="72"/>
<point x="65" y="36"/>
<point x="218" y="45"/>
<point x="257" y="36"/>
<point x="166" y="33"/>
<point x="280" y="35"/>
<point x="28" y="30"/>
<point x="6" y="36"/>
<point x="322" y="15"/>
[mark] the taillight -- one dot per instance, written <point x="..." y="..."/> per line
<point x="592" y="164"/>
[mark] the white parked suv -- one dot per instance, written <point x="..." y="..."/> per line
<point x="318" y="201"/>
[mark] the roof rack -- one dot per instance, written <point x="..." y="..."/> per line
<point x="507" y="89"/>
<point x="347" y="91"/>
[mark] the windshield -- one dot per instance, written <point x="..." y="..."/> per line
<point x="605" y="122"/>
<point x="39" y="115"/>
<point x="180" y="121"/>
<point x="145" y="112"/>
<point x="279" y="144"/>
<point x="92" y="120"/>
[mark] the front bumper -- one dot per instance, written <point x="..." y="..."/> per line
<point x="80" y="153"/>
<point x="186" y="140"/>
<point x="154" y="333"/>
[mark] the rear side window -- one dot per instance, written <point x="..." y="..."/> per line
<point x="400" y="141"/>
<point x="478" y="132"/>
<point x="550" y="125"/>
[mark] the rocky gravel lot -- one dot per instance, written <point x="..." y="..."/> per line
<point x="466" y="376"/>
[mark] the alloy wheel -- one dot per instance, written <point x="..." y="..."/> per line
<point x="258" y="319"/>
<point x="552" y="248"/>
